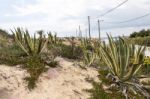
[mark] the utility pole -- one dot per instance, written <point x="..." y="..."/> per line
<point x="99" y="28"/>
<point x="89" y="27"/>
<point x="80" y="33"/>
<point x="76" y="33"/>
<point x="86" y="33"/>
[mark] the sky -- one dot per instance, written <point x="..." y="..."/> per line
<point x="65" y="16"/>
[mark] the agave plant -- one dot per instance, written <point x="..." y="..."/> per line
<point x="37" y="54"/>
<point x="53" y="39"/>
<point x="124" y="61"/>
<point x="88" y="51"/>
<point x="72" y="42"/>
<point x="28" y="44"/>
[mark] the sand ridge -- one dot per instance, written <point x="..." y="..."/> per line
<point x="64" y="82"/>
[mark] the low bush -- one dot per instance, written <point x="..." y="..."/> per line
<point x="71" y="53"/>
<point x="34" y="66"/>
<point x="140" y="40"/>
<point x="146" y="67"/>
<point x="11" y="55"/>
<point x="142" y="33"/>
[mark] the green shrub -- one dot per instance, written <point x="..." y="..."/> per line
<point x="146" y="67"/>
<point x="57" y="48"/>
<point x="31" y="82"/>
<point x="142" y="33"/>
<point x="71" y="53"/>
<point x="99" y="93"/>
<point x="34" y="66"/>
<point x="140" y="41"/>
<point x="11" y="55"/>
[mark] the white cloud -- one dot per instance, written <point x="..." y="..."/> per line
<point x="66" y="15"/>
<point x="61" y="8"/>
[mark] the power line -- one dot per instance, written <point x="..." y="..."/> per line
<point x="112" y="9"/>
<point x="106" y="13"/>
<point x="130" y="20"/>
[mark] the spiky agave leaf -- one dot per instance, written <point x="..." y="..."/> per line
<point x="19" y="36"/>
<point x="21" y="46"/>
<point x="28" y="44"/>
<point x="44" y="46"/>
<point x="117" y="56"/>
<point x="40" y="41"/>
<point x="53" y="39"/>
<point x="88" y="52"/>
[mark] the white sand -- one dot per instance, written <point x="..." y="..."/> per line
<point x="64" y="82"/>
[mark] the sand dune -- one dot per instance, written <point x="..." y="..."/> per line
<point x="64" y="82"/>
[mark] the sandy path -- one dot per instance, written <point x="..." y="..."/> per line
<point x="64" y="82"/>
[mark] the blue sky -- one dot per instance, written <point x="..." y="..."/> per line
<point x="64" y="16"/>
